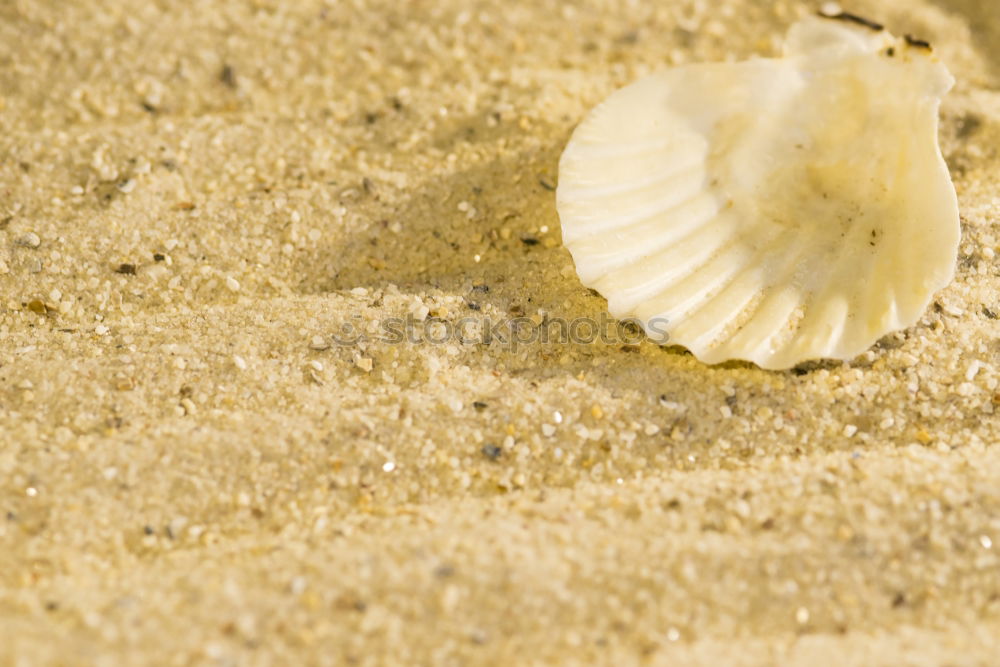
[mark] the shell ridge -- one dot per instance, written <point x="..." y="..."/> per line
<point x="777" y="283"/>
<point x="787" y="265"/>
<point x="702" y="291"/>
<point x="636" y="215"/>
<point x="587" y="192"/>
<point x="605" y="250"/>
<point x="689" y="262"/>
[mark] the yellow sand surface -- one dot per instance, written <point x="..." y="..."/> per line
<point x="210" y="453"/>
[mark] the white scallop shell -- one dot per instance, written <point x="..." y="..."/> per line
<point x="772" y="210"/>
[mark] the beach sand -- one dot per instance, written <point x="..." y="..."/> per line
<point x="196" y="199"/>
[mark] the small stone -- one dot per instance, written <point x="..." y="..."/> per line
<point x="101" y="330"/>
<point x="124" y="383"/>
<point x="126" y="269"/>
<point x="548" y="430"/>
<point x="491" y="451"/>
<point x="954" y="311"/>
<point x="37" y="306"/>
<point x="29" y="240"/>
<point x="596" y="411"/>
<point x="126" y="186"/>
<point x="175" y="527"/>
<point x="966" y="389"/>
<point x="319" y="344"/>
<point x="850" y="430"/>
<point x="239" y="362"/>
<point x="364" y="363"/>
<point x="298" y="585"/>
<point x="232" y="284"/>
<point x="228" y="77"/>
<point x="316" y="366"/>
<point x="420" y="312"/>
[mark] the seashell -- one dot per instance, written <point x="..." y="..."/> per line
<point x="773" y="210"/>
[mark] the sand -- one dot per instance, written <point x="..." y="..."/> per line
<point x="198" y="200"/>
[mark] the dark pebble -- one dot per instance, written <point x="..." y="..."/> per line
<point x="492" y="452"/>
<point x="444" y="571"/>
<point x="228" y="76"/>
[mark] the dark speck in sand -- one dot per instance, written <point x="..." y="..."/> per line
<point x="228" y="76"/>
<point x="444" y="571"/>
<point x="492" y="452"/>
